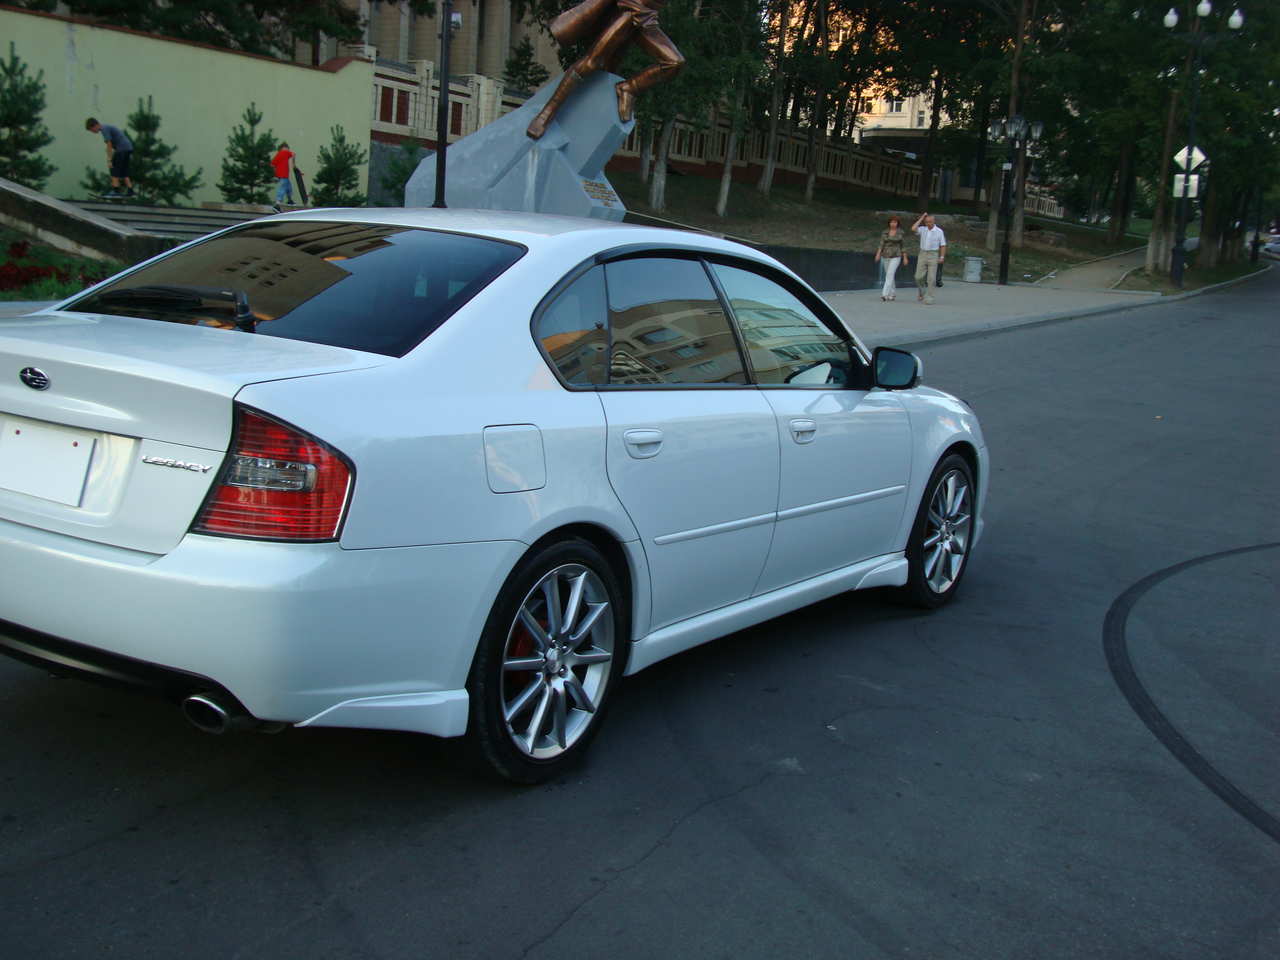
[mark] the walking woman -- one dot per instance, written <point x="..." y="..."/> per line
<point x="891" y="251"/>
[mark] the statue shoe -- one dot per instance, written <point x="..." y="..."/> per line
<point x="539" y="125"/>
<point x="626" y="101"/>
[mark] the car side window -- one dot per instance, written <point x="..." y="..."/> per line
<point x="572" y="330"/>
<point x="786" y="342"/>
<point x="667" y="325"/>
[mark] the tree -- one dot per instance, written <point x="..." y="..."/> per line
<point x="338" y="178"/>
<point x="22" y="133"/>
<point x="156" y="177"/>
<point x="246" y="169"/>
<point x="401" y="167"/>
<point x="522" y="70"/>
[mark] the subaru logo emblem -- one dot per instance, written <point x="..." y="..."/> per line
<point x="34" y="378"/>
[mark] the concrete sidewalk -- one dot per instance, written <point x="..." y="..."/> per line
<point x="963" y="308"/>
<point x="1101" y="274"/>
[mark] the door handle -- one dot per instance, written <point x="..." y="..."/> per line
<point x="803" y="431"/>
<point x="643" y="444"/>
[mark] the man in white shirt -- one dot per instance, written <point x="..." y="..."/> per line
<point x="933" y="251"/>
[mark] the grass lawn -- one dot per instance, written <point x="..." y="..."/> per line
<point x="850" y="219"/>
<point x="36" y="271"/>
<point x="1193" y="279"/>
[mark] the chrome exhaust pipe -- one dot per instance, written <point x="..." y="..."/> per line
<point x="212" y="713"/>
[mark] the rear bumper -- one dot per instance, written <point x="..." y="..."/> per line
<point x="298" y="633"/>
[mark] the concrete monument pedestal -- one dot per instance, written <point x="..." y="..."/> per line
<point x="500" y="168"/>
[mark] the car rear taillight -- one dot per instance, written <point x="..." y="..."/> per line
<point x="277" y="483"/>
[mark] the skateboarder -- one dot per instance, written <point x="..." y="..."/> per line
<point x="119" y="153"/>
<point x="284" y="186"/>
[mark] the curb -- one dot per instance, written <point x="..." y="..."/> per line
<point x="966" y="331"/>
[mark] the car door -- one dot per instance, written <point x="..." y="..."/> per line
<point x="692" y="449"/>
<point x="844" y="449"/>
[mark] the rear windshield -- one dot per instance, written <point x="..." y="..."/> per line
<point x="378" y="288"/>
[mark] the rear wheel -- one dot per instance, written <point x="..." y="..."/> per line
<point x="551" y="653"/>
<point x="938" y="549"/>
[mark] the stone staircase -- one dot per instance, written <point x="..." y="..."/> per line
<point x="181" y="223"/>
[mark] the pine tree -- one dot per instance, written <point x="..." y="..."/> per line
<point x="153" y="175"/>
<point x="22" y="133"/>
<point x="522" y="70"/>
<point x="401" y="167"/>
<point x="247" y="175"/>
<point x="339" y="176"/>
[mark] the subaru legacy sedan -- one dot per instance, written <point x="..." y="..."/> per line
<point x="453" y="472"/>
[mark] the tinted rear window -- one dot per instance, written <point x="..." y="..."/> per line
<point x="369" y="287"/>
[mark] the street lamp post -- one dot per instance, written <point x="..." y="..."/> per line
<point x="1016" y="130"/>
<point x="1196" y="37"/>
<point x="442" y="111"/>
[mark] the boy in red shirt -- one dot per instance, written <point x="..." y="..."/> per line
<point x="284" y="186"/>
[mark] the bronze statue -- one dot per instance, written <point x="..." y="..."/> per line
<point x="615" y="23"/>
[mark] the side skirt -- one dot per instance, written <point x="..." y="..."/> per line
<point x="886" y="571"/>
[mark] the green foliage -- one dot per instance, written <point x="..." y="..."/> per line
<point x="155" y="177"/>
<point x="22" y="133"/>
<point x="338" y="178"/>
<point x="401" y="167"/>
<point x="523" y="71"/>
<point x="257" y="27"/>
<point x="247" y="175"/>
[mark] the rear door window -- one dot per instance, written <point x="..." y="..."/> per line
<point x="372" y="287"/>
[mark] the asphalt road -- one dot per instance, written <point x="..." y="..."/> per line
<point x="1076" y="759"/>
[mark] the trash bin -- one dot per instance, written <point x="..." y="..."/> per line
<point x="973" y="269"/>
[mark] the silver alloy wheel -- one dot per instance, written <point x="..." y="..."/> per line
<point x="946" y="532"/>
<point x="556" y="661"/>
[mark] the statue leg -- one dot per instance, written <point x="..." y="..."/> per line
<point x="667" y="63"/>
<point x="602" y="53"/>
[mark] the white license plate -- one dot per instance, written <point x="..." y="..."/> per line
<point x="43" y="460"/>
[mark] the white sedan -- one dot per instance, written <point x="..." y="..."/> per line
<point x="454" y="472"/>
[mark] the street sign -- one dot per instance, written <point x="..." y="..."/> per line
<point x="1197" y="158"/>
<point x="1193" y="188"/>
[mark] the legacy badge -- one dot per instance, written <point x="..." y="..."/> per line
<point x="177" y="464"/>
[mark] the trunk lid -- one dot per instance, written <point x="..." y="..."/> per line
<point x="125" y="440"/>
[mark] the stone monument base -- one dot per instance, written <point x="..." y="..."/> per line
<point x="500" y="168"/>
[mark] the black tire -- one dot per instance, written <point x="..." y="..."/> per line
<point x="940" y="542"/>
<point x="562" y="699"/>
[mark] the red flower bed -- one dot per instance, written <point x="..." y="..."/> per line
<point x="15" y="275"/>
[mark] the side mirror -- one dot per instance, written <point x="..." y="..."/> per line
<point x="896" y="369"/>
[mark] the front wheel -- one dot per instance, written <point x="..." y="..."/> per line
<point x="551" y="653"/>
<point x="941" y="538"/>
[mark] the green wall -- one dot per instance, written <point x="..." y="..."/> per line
<point x="199" y="93"/>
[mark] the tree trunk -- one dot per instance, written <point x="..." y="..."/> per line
<point x="1123" y="200"/>
<point x="775" y="102"/>
<point x="658" y="188"/>
<point x="926" y="168"/>
<point x="730" y="151"/>
<point x="980" y="160"/>
<point x="1014" y="80"/>
<point x="1158" y="243"/>
<point x="993" y="218"/>
<point x="818" y="122"/>
<point x="1210" y="231"/>
<point x="646" y="152"/>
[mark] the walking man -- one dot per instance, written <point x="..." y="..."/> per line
<point x="119" y="153"/>
<point x="933" y="251"/>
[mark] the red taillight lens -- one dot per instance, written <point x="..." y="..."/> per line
<point x="278" y="483"/>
